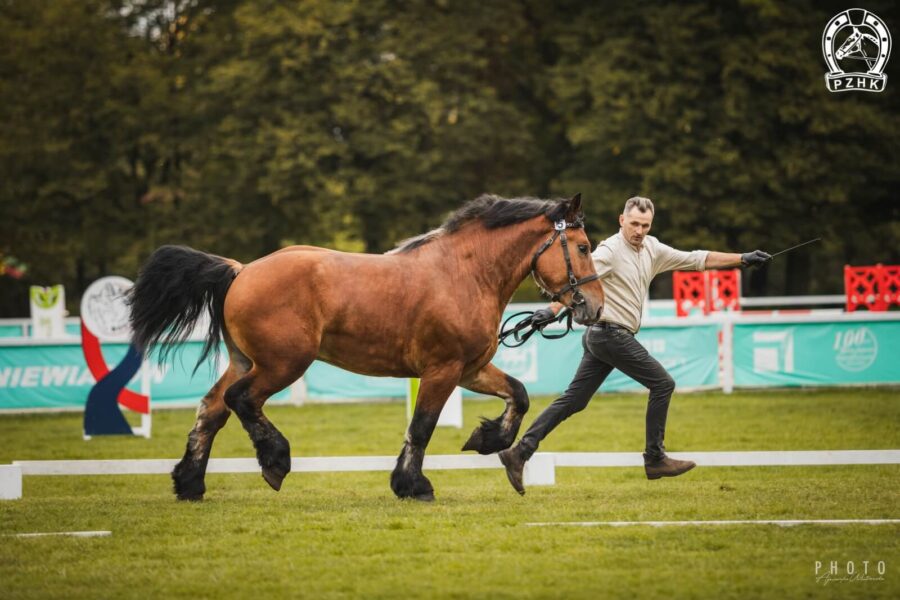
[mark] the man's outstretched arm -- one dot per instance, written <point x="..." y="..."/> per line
<point x="724" y="260"/>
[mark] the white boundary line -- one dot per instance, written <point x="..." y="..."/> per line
<point x="81" y="534"/>
<point x="735" y="459"/>
<point x="779" y="523"/>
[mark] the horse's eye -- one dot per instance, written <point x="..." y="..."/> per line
<point x="583" y="248"/>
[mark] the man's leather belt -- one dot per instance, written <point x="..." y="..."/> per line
<point x="608" y="325"/>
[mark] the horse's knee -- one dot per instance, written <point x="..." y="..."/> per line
<point x="519" y="398"/>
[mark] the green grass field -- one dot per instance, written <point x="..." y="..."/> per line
<point x="344" y="535"/>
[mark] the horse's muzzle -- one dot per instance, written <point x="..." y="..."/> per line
<point x="586" y="314"/>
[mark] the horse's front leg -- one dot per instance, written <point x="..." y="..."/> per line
<point x="407" y="479"/>
<point x="497" y="434"/>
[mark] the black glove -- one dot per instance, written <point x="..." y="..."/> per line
<point x="757" y="258"/>
<point x="542" y="318"/>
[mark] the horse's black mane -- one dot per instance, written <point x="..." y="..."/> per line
<point x="493" y="212"/>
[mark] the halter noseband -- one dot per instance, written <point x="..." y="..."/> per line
<point x="559" y="231"/>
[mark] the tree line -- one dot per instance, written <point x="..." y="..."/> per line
<point x="241" y="126"/>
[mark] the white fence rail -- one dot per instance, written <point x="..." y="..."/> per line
<point x="540" y="470"/>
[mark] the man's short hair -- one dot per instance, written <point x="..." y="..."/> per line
<point x="640" y="203"/>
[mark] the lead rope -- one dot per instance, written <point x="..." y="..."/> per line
<point x="520" y="338"/>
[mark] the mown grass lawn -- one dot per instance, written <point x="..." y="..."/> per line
<point x="344" y="535"/>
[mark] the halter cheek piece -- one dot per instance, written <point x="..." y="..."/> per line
<point x="559" y="231"/>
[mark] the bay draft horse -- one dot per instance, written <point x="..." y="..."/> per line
<point x="430" y="308"/>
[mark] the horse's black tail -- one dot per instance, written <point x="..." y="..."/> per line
<point x="175" y="287"/>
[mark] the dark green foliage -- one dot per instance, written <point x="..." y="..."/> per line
<point x="239" y="127"/>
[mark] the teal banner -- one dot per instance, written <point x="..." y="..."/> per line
<point x="56" y="376"/>
<point x="327" y="382"/>
<point x="845" y="351"/>
<point x="18" y="331"/>
<point x="10" y="331"/>
<point x="546" y="366"/>
<point x="817" y="354"/>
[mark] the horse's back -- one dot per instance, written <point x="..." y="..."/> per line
<point x="288" y="249"/>
<point x="299" y="273"/>
<point x="303" y="293"/>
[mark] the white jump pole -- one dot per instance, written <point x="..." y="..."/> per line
<point x="451" y="415"/>
<point x="10" y="482"/>
<point x="146" y="419"/>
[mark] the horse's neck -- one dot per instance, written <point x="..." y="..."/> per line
<point x="497" y="260"/>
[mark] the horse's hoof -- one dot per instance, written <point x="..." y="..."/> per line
<point x="427" y="497"/>
<point x="474" y="442"/>
<point x="188" y="487"/>
<point x="274" y="477"/>
<point x="190" y="497"/>
<point x="489" y="437"/>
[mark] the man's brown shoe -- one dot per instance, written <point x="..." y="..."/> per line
<point x="515" y="465"/>
<point x="668" y="467"/>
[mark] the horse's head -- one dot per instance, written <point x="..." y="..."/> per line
<point x="848" y="47"/>
<point x="562" y="266"/>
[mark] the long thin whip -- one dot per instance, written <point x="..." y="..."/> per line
<point x="795" y="247"/>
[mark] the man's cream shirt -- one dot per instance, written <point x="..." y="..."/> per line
<point x="627" y="271"/>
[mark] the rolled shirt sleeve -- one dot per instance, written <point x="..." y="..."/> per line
<point x="669" y="259"/>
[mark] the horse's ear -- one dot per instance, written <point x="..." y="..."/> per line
<point x="574" y="207"/>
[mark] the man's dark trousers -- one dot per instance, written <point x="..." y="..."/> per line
<point x="606" y="348"/>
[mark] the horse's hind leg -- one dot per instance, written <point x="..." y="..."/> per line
<point x="497" y="434"/>
<point x="246" y="398"/>
<point x="407" y="479"/>
<point x="212" y="414"/>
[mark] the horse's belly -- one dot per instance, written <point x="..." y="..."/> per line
<point x="366" y="357"/>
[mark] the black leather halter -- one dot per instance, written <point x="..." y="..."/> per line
<point x="559" y="231"/>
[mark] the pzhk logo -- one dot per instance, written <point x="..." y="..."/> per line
<point x="856" y="52"/>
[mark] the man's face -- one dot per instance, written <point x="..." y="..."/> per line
<point x="635" y="225"/>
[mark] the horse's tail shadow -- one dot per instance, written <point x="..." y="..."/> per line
<point x="175" y="287"/>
